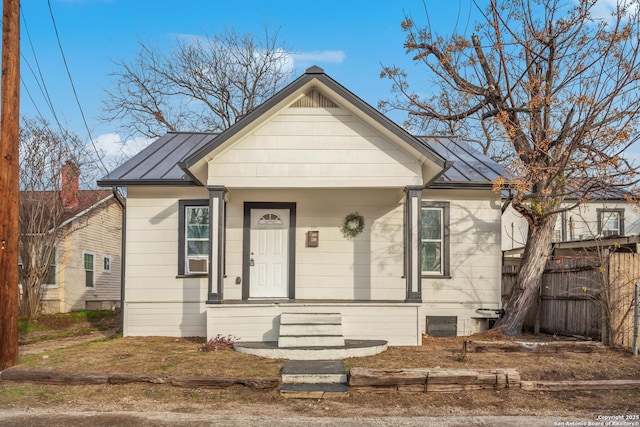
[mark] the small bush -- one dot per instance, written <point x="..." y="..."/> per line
<point x="219" y="342"/>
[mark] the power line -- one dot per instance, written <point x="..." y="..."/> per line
<point x="75" y="93"/>
<point x="43" y="86"/>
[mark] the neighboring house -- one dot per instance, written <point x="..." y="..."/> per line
<point x="227" y="232"/>
<point x="85" y="271"/>
<point x="604" y="216"/>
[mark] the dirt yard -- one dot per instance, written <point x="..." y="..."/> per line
<point x="182" y="357"/>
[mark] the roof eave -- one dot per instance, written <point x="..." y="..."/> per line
<point x="462" y="185"/>
<point x="148" y="182"/>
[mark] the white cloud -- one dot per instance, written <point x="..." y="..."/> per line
<point x="114" y="151"/>
<point x="603" y="9"/>
<point x="303" y="59"/>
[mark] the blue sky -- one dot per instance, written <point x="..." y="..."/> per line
<point x="348" y="38"/>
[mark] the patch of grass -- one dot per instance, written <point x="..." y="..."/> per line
<point x="13" y="393"/>
<point x="24" y="327"/>
<point x="65" y="325"/>
<point x="58" y="320"/>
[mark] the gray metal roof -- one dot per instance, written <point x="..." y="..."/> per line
<point x="158" y="164"/>
<point x="470" y="167"/>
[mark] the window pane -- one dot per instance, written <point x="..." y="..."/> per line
<point x="431" y="224"/>
<point x="51" y="272"/>
<point x="612" y="222"/>
<point x="88" y="262"/>
<point x="431" y="256"/>
<point x="198" y="248"/>
<point x="51" y="275"/>
<point x="197" y="222"/>
<point x="88" y="279"/>
<point x="197" y="231"/>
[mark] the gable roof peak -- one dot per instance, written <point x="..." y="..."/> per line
<point x="314" y="70"/>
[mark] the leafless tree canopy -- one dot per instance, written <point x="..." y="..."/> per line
<point x="43" y="152"/>
<point x="201" y="84"/>
<point x="557" y="86"/>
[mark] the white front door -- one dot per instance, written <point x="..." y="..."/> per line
<point x="269" y="253"/>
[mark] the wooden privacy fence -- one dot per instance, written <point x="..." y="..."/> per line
<point x="589" y="296"/>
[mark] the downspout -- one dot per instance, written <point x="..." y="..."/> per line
<point x="123" y="246"/>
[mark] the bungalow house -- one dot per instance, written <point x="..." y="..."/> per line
<point x="85" y="267"/>
<point x="315" y="203"/>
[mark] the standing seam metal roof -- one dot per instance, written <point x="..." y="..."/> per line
<point x="158" y="164"/>
<point x="469" y="165"/>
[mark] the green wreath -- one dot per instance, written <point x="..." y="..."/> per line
<point x="353" y="225"/>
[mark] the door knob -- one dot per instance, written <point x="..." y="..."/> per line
<point x="252" y="262"/>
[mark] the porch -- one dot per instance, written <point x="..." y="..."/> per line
<point x="395" y="322"/>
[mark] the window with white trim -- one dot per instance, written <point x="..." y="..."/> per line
<point x="434" y="223"/>
<point x="611" y="222"/>
<point x="193" y="237"/>
<point x="89" y="270"/>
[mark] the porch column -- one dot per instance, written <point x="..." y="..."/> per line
<point x="412" y="243"/>
<point x="216" y="243"/>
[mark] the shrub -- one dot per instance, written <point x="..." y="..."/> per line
<point x="219" y="342"/>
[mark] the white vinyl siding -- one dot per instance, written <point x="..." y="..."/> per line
<point x="315" y="147"/>
<point x="368" y="267"/>
<point x="99" y="233"/>
<point x="157" y="301"/>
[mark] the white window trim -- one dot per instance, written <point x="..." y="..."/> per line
<point x="440" y="240"/>
<point x="188" y="257"/>
<point x="85" y="270"/>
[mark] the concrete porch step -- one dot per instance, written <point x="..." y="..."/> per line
<point x="287" y="341"/>
<point x="351" y="348"/>
<point x="314" y="379"/>
<point x="314" y="391"/>
<point x="311" y="318"/>
<point x="314" y="372"/>
<point x="310" y="329"/>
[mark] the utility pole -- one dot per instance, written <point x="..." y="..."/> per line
<point x="9" y="183"/>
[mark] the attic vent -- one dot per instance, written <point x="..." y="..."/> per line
<point x="314" y="99"/>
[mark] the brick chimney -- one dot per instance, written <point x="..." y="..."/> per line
<point x="70" y="188"/>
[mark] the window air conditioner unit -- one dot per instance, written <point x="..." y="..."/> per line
<point x="197" y="265"/>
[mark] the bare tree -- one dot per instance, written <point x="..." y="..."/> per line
<point x="561" y="86"/>
<point x="202" y="84"/>
<point x="44" y="206"/>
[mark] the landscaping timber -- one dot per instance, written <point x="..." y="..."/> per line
<point x="53" y="377"/>
<point x="434" y="380"/>
<point x="88" y="378"/>
<point x="130" y="378"/>
<point x="533" y="347"/>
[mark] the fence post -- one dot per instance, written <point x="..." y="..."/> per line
<point x="635" y="320"/>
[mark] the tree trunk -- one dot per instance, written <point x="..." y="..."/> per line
<point x="527" y="284"/>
